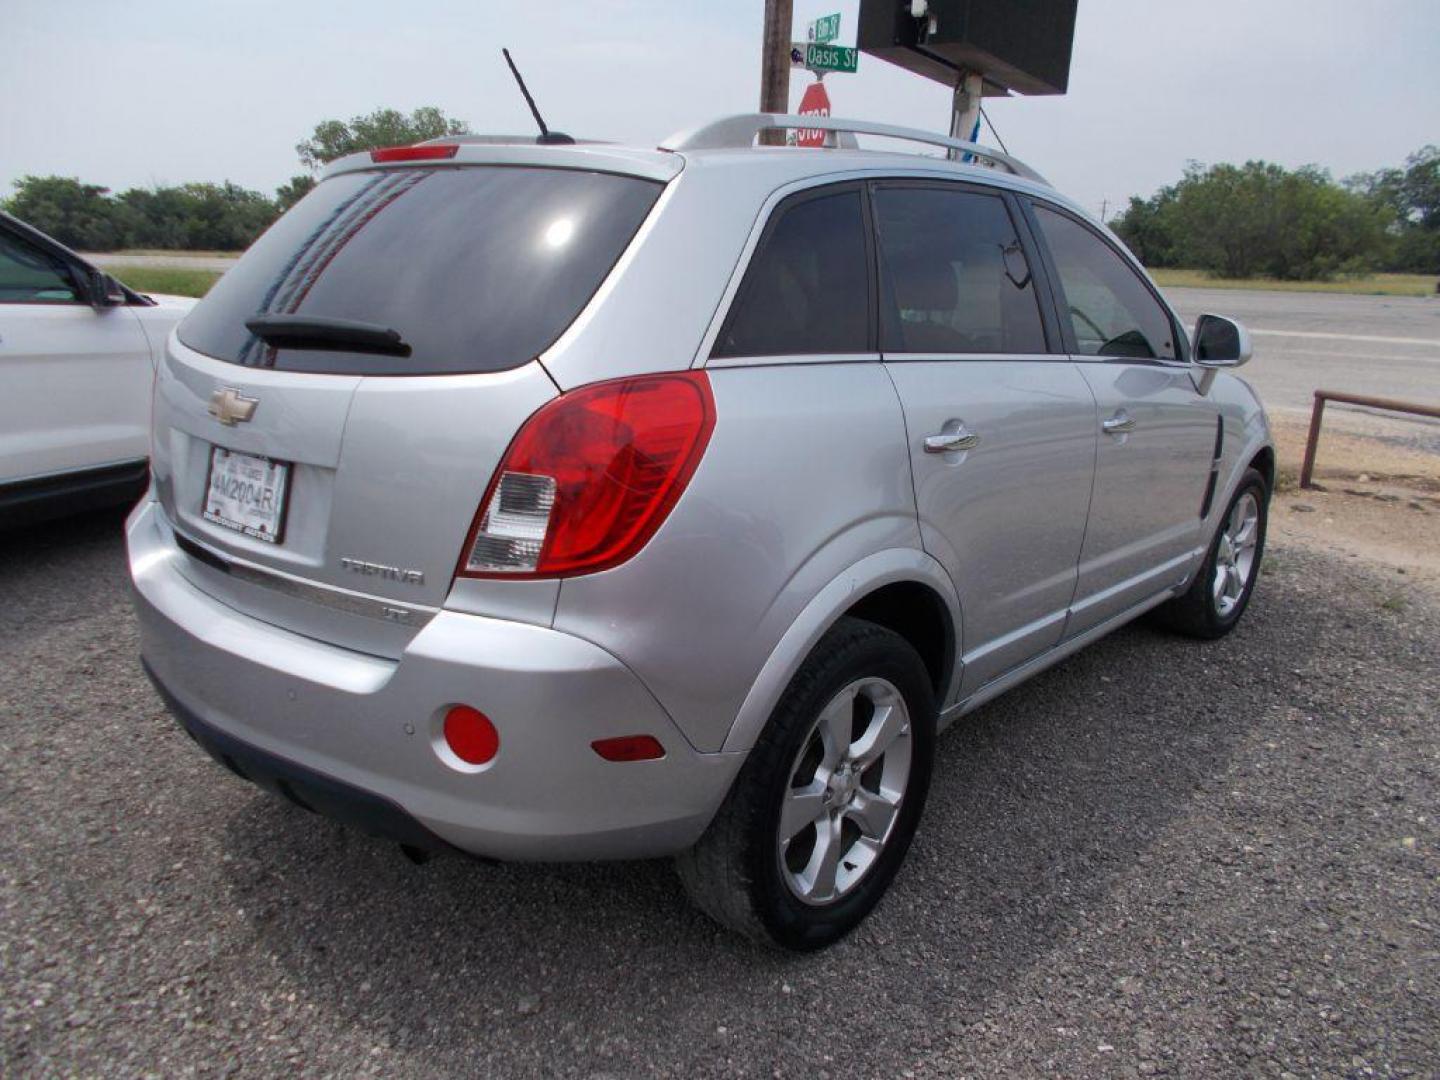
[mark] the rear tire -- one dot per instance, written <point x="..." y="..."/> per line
<point x="843" y="767"/>
<point x="1221" y="591"/>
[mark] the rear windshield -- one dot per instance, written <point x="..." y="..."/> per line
<point x="478" y="268"/>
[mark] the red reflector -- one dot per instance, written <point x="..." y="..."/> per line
<point x="629" y="748"/>
<point x="415" y="153"/>
<point x="470" y="735"/>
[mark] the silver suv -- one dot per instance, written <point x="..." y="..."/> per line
<point x="581" y="502"/>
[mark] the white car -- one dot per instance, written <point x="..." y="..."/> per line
<point x="77" y="363"/>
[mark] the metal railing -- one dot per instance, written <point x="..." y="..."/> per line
<point x="1318" y="411"/>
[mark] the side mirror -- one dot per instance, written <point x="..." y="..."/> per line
<point x="101" y="290"/>
<point x="1221" y="342"/>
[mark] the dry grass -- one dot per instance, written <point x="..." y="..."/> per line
<point x="1368" y="284"/>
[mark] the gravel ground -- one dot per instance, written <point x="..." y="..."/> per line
<point x="1157" y="859"/>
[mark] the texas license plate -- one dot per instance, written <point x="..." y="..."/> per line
<point x="247" y="493"/>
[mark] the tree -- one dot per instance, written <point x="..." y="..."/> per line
<point x="1411" y="196"/>
<point x="292" y="191"/>
<point x="81" y="216"/>
<point x="157" y="217"/>
<point x="383" y="127"/>
<point x="1258" y="219"/>
<point x="224" y="217"/>
<point x="1147" y="227"/>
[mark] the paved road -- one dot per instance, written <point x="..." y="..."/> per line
<point x="1385" y="346"/>
<point x="1160" y="858"/>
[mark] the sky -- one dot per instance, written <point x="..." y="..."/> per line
<point x="151" y="92"/>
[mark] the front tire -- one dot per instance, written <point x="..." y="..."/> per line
<point x="1221" y="591"/>
<point x="824" y="809"/>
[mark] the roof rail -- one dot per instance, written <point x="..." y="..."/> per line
<point x="731" y="132"/>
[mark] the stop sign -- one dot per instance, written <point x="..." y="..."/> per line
<point x="815" y="103"/>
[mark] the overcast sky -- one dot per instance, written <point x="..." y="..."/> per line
<point x="167" y="91"/>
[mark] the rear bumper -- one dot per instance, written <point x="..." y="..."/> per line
<point x="306" y="788"/>
<point x="356" y="736"/>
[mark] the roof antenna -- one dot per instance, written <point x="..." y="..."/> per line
<point x="547" y="137"/>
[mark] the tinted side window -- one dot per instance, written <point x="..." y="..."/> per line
<point x="956" y="279"/>
<point x="1113" y="313"/>
<point x="30" y="276"/>
<point x="807" y="289"/>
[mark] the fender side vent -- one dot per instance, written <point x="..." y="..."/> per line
<point x="1214" y="468"/>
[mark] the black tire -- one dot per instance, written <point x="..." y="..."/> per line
<point x="1195" y="613"/>
<point x="734" y="873"/>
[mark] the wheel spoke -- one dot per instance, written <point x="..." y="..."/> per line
<point x="819" y="879"/>
<point x="886" y="725"/>
<point x="1245" y="537"/>
<point x="873" y="812"/>
<point x="835" y="727"/>
<point x="1237" y="519"/>
<point x="802" y="807"/>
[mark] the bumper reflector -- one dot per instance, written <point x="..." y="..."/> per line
<point x="470" y="735"/>
<point x="629" y="748"/>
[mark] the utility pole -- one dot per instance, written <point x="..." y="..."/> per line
<point x="775" y="65"/>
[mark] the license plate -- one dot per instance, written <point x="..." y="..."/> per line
<point x="247" y="493"/>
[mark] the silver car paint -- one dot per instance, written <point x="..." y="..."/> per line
<point x="1149" y="483"/>
<point x="383" y="470"/>
<point x="1007" y="518"/>
<point x="806" y="474"/>
<point x="374" y="722"/>
<point x="804" y="502"/>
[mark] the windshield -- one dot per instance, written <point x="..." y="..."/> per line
<point x="477" y="268"/>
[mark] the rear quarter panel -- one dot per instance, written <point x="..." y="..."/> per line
<point x="806" y="474"/>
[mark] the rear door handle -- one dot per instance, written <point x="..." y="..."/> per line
<point x="1119" y="424"/>
<point x="950" y="441"/>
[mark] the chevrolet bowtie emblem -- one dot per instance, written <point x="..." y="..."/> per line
<point x="231" y="407"/>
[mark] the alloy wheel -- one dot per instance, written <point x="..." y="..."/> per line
<point x="844" y="791"/>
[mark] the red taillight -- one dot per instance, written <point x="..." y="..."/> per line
<point x="470" y="735"/>
<point x="629" y="748"/>
<point x="590" y="477"/>
<point x="414" y="153"/>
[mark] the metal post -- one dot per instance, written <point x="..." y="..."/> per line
<point x="965" y="108"/>
<point x="1314" y="437"/>
<point x="775" y="65"/>
<point x="1414" y="408"/>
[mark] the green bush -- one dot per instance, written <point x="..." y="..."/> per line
<point x="1262" y="220"/>
<point x="1257" y="219"/>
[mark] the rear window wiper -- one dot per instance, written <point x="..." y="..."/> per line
<point x="318" y="332"/>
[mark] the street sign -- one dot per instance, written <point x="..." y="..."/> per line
<point x="815" y="103"/>
<point x="825" y="29"/>
<point x="831" y="58"/>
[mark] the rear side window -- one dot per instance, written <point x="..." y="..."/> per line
<point x="808" y="286"/>
<point x="955" y="276"/>
<point x="478" y="268"/>
<point x="1112" y="311"/>
<point x="30" y="276"/>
